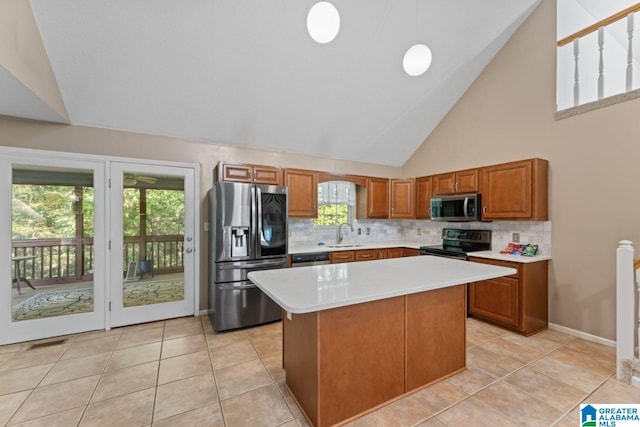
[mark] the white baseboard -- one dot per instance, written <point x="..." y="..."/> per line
<point x="204" y="313"/>
<point x="583" y="335"/>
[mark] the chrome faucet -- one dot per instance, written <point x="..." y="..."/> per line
<point x="339" y="237"/>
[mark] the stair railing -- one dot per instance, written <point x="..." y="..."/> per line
<point x="599" y="26"/>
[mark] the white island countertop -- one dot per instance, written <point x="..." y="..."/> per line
<point x="309" y="289"/>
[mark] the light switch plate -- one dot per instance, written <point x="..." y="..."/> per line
<point x="515" y="237"/>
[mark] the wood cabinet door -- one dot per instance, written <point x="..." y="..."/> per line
<point x="236" y="173"/>
<point x="303" y="193"/>
<point x="506" y="191"/>
<point x="497" y="299"/>
<point x="443" y="184"/>
<point x="342" y="256"/>
<point x="467" y="181"/>
<point x="366" y="255"/>
<point x="423" y="197"/>
<point x="402" y="199"/>
<point x="378" y="198"/>
<point x="267" y="175"/>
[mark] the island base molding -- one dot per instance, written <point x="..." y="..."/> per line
<point x="345" y="361"/>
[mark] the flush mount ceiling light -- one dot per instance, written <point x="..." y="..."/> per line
<point x="323" y="22"/>
<point x="417" y="60"/>
<point x="418" y="57"/>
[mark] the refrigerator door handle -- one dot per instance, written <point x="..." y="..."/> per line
<point x="254" y="229"/>
<point x="235" y="287"/>
<point x="247" y="265"/>
<point x="259" y="223"/>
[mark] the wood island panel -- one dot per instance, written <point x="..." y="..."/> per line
<point x="359" y="370"/>
<point x="343" y="362"/>
<point x="436" y="335"/>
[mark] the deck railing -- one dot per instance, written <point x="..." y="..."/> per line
<point x="71" y="260"/>
<point x="627" y="324"/>
<point x="618" y="73"/>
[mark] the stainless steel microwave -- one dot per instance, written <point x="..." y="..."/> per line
<point x="458" y="207"/>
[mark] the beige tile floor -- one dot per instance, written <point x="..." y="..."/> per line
<point x="179" y="372"/>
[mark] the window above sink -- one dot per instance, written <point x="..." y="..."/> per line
<point x="336" y="204"/>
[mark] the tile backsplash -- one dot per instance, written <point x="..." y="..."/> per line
<point x="303" y="232"/>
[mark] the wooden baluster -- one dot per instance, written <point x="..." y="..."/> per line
<point x="576" y="75"/>
<point x="630" y="52"/>
<point x="601" y="63"/>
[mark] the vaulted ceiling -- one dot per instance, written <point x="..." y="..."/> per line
<point x="246" y="72"/>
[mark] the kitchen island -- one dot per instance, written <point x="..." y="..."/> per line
<point x="356" y="336"/>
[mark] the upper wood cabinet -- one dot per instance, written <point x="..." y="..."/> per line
<point x="257" y="174"/>
<point x="403" y="198"/>
<point x="459" y="182"/>
<point x="423" y="197"/>
<point x="303" y="192"/>
<point x="373" y="200"/>
<point x="515" y="191"/>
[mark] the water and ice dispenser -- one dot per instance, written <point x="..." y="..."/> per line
<point x="239" y="241"/>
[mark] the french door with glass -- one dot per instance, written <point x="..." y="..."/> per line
<point x="152" y="242"/>
<point x="52" y="245"/>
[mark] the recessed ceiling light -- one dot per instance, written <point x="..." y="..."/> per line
<point x="417" y="60"/>
<point x="323" y="22"/>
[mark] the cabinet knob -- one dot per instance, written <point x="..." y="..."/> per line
<point x="484" y="209"/>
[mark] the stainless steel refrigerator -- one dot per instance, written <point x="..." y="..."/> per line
<point x="248" y="232"/>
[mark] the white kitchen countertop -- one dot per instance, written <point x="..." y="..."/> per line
<point x="508" y="257"/>
<point x="315" y="288"/>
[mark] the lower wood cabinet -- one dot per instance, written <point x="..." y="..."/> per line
<point x="371" y="254"/>
<point x="519" y="301"/>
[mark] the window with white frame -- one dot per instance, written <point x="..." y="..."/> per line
<point x="336" y="203"/>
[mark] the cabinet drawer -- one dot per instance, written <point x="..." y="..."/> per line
<point x="267" y="175"/>
<point x="499" y="263"/>
<point x="342" y="256"/>
<point x="236" y="173"/>
<point x="366" y="255"/>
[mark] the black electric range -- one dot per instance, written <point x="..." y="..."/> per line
<point x="457" y="243"/>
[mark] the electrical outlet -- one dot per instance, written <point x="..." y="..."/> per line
<point x="368" y="231"/>
<point x="359" y="231"/>
<point x="419" y="231"/>
<point x="206" y="226"/>
<point x="515" y="237"/>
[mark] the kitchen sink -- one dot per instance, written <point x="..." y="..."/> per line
<point x="344" y="245"/>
